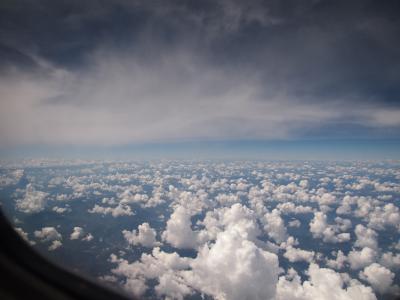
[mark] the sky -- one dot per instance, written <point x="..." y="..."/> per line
<point x="275" y="79"/>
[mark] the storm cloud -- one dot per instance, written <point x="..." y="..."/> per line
<point x="121" y="72"/>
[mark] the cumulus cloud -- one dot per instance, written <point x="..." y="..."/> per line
<point x="323" y="284"/>
<point x="178" y="231"/>
<point x="380" y="217"/>
<point x="24" y="235"/>
<point x="33" y="201"/>
<point x="390" y="260"/>
<point x="241" y="219"/>
<point x="320" y="229"/>
<point x="378" y="276"/>
<point x="49" y="234"/>
<point x="172" y="287"/>
<point x="324" y="199"/>
<point x="55" y="245"/>
<point x="366" y="237"/>
<point x="234" y="268"/>
<point x="119" y="210"/>
<point x="225" y="199"/>
<point x="304" y="183"/>
<point x="61" y="210"/>
<point x="237" y="217"/>
<point x="362" y="258"/>
<point x="135" y="286"/>
<point x="296" y="254"/>
<point x="318" y="224"/>
<point x="88" y="237"/>
<point x="145" y="236"/>
<point x="193" y="202"/>
<point x="294" y="223"/>
<point x="289" y="207"/>
<point x="11" y="178"/>
<point x="77" y="233"/>
<point x="337" y="263"/>
<point x="129" y="197"/>
<point x="165" y="267"/>
<point x="275" y="226"/>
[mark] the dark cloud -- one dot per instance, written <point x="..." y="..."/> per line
<point x="297" y="67"/>
<point x="13" y="58"/>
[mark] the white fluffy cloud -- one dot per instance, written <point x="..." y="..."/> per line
<point x="237" y="217"/>
<point x="388" y="215"/>
<point x="55" y="245"/>
<point x="304" y="183"/>
<point x="33" y="201"/>
<point x="119" y="210"/>
<point x="227" y="199"/>
<point x="323" y="284"/>
<point x="318" y="224"/>
<point x="61" y="210"/>
<point x="179" y="232"/>
<point x="136" y="287"/>
<point x="275" y="226"/>
<point x="362" y="258"/>
<point x="320" y="229"/>
<point x="294" y="223"/>
<point x="49" y="234"/>
<point x="24" y="235"/>
<point x="172" y="287"/>
<point x="289" y="207"/>
<point x="339" y="262"/>
<point x="11" y="178"/>
<point x="378" y="276"/>
<point x="296" y="254"/>
<point x="325" y="199"/>
<point x="366" y="237"/>
<point x="345" y="206"/>
<point x="131" y="195"/>
<point x="234" y="268"/>
<point x="240" y="218"/>
<point x="145" y="236"/>
<point x="88" y="237"/>
<point x="390" y="260"/>
<point x="77" y="233"/>
<point x="165" y="267"/>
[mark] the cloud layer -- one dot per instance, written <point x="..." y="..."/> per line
<point x="190" y="71"/>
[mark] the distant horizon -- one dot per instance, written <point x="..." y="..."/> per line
<point x="316" y="149"/>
